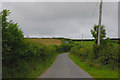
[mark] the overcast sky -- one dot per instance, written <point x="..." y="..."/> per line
<point x="119" y="20"/>
<point x="62" y="19"/>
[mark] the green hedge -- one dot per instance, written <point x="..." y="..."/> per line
<point x="63" y="48"/>
<point x="105" y="54"/>
<point x="18" y="53"/>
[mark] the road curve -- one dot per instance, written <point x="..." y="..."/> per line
<point x="64" y="67"/>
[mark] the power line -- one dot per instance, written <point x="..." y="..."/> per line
<point x="92" y="16"/>
<point x="93" y="13"/>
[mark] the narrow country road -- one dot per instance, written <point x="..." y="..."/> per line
<point x="64" y="67"/>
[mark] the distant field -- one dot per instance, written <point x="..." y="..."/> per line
<point x="45" y="41"/>
<point x="84" y="43"/>
<point x="90" y="43"/>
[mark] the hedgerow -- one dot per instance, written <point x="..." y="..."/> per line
<point x="105" y="54"/>
<point x="17" y="53"/>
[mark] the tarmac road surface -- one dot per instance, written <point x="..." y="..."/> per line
<point x="64" y="67"/>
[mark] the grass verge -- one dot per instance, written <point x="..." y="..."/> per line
<point x="95" y="72"/>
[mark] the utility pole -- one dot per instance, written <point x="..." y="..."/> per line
<point x="100" y="18"/>
<point x="82" y="39"/>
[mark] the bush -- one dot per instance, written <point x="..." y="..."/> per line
<point x="106" y="54"/>
<point x="12" y="39"/>
<point x="75" y="50"/>
<point x="109" y="55"/>
<point x="63" y="48"/>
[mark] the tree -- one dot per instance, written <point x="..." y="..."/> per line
<point x="12" y="36"/>
<point x="94" y="33"/>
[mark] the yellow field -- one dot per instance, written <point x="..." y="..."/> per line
<point x="46" y="41"/>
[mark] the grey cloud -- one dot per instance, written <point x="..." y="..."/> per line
<point x="70" y="19"/>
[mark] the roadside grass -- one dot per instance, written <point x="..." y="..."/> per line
<point x="45" y="41"/>
<point x="95" y="72"/>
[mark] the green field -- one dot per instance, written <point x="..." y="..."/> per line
<point x="84" y="43"/>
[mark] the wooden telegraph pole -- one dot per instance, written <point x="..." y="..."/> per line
<point x="100" y="18"/>
<point x="82" y="39"/>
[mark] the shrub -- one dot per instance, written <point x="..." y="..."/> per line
<point x="75" y="50"/>
<point x="109" y="55"/>
<point x="63" y="48"/>
<point x="106" y="54"/>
